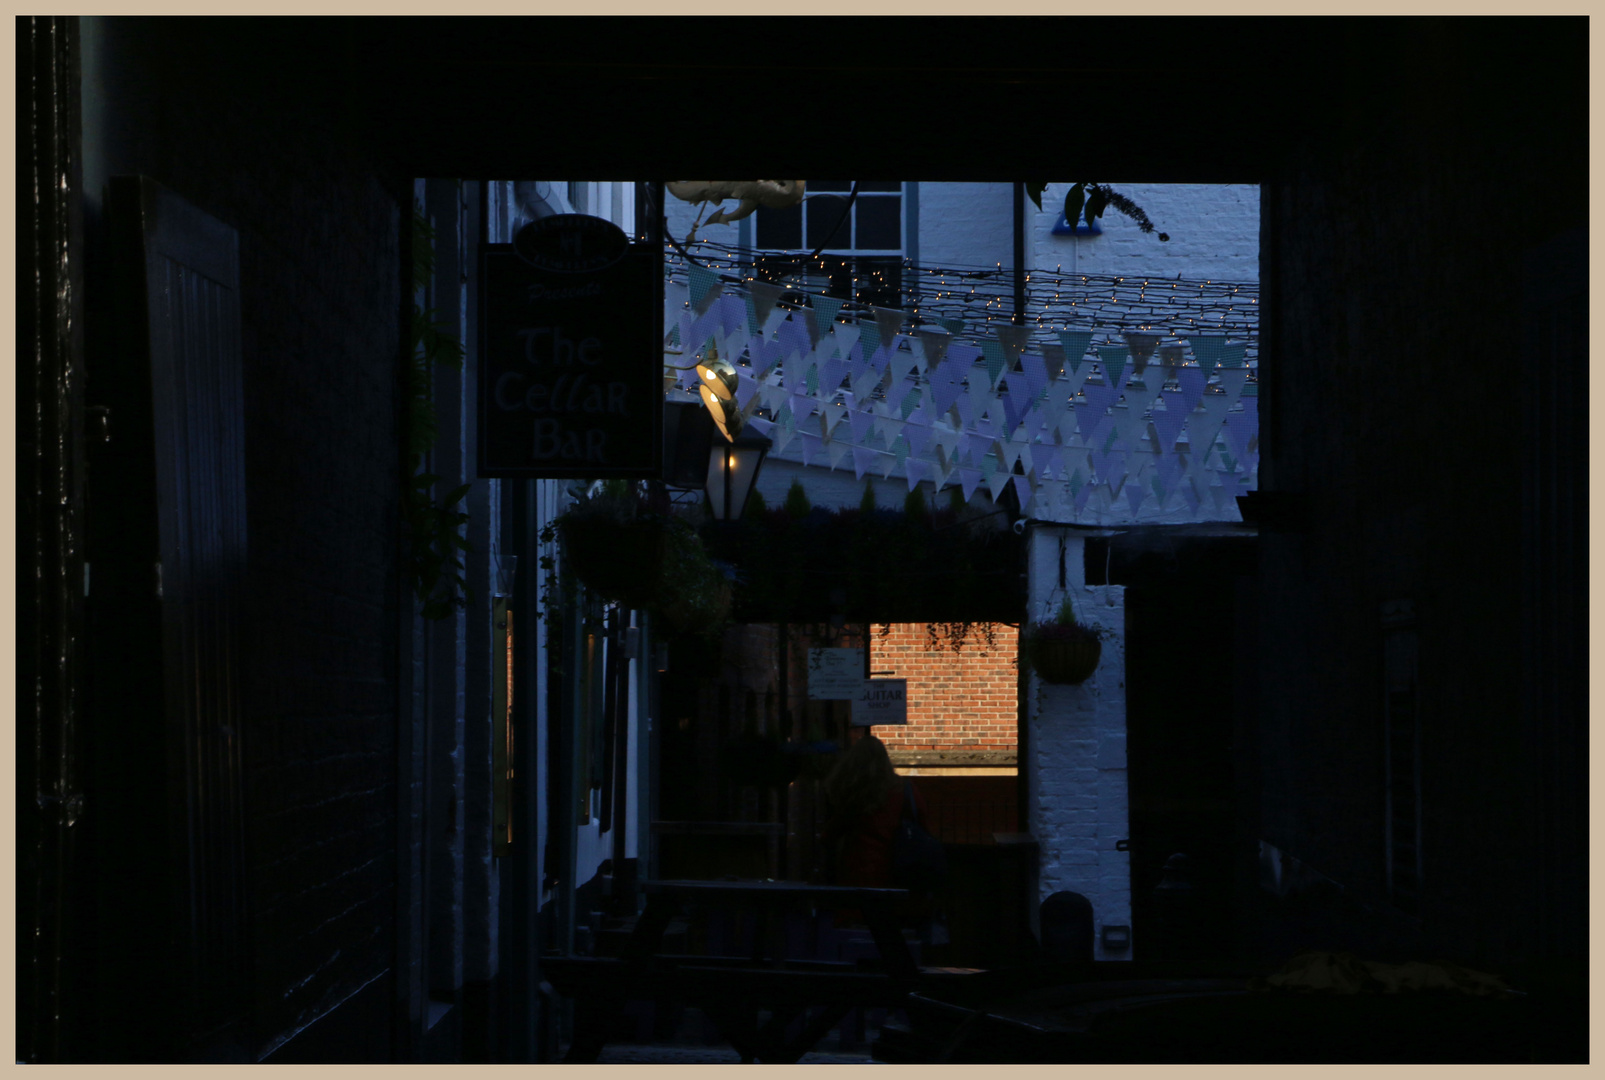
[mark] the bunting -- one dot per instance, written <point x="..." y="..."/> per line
<point x="1138" y="434"/>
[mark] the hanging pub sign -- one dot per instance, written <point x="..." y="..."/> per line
<point x="569" y="378"/>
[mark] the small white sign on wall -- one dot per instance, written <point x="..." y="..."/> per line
<point x="882" y="701"/>
<point x="835" y="674"/>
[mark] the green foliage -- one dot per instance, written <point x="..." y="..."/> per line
<point x="1067" y="610"/>
<point x="756" y="506"/>
<point x="797" y="504"/>
<point x="1088" y="201"/>
<point x="910" y="567"/>
<point x="1074" y="200"/>
<point x="914" y="507"/>
<point x="434" y="528"/>
<point x="1097" y="199"/>
<point x="866" y="505"/>
<point x="624" y="549"/>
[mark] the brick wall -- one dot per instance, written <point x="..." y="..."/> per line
<point x="957" y="701"/>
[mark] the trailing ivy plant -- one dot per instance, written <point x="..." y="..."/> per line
<point x="434" y="528"/>
<point x="1088" y="201"/>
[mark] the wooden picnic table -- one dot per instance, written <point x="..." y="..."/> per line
<point x="734" y="991"/>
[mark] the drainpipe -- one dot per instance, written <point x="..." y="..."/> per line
<point x="1019" y="253"/>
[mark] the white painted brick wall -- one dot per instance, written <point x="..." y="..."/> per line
<point x="967" y="224"/>
<point x="1076" y="755"/>
<point x="1213" y="228"/>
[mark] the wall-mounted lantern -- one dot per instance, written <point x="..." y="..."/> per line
<point x="724" y="465"/>
<point x="732" y="471"/>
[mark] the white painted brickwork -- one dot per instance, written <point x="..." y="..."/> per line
<point x="1213" y="229"/>
<point x="1076" y="756"/>
<point x="967" y="224"/>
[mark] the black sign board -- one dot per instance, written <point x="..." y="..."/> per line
<point x="571" y="358"/>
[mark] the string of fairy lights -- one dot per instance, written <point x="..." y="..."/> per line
<point x="1108" y="306"/>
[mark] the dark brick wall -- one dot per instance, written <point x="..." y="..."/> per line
<point x="1394" y="367"/>
<point x="319" y="276"/>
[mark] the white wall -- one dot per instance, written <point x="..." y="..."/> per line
<point x="1076" y="751"/>
<point x="966" y="224"/>
<point x="1213" y="229"/>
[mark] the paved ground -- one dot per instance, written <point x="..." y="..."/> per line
<point x="624" y="1054"/>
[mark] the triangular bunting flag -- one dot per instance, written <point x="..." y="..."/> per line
<point x="1207" y="349"/>
<point x="1022" y="490"/>
<point x="1242" y="426"/>
<point x="1168" y="421"/>
<point x="825" y="310"/>
<point x="704" y="287"/>
<point x="863" y="461"/>
<point x="969" y="479"/>
<point x="1075" y="344"/>
<point x="1014" y="339"/>
<point x="992" y="349"/>
<point x="869" y="337"/>
<point x="918" y="436"/>
<point x="765" y="296"/>
<point x="1047" y="460"/>
<point x="1141" y="347"/>
<point x="901" y="364"/>
<point x="933" y="347"/>
<point x="1232" y="380"/>
<point x="1192" y="381"/>
<point x="888" y="321"/>
<point x="845" y="337"/>
<point x="1115" y="364"/>
<point x="996" y="481"/>
<point x="1036" y="373"/>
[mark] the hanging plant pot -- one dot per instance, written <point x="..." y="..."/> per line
<point x="617" y="560"/>
<point x="1066" y="662"/>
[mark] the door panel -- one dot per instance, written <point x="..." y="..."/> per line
<point x="188" y="273"/>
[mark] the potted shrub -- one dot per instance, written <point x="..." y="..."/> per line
<point x="614" y="545"/>
<point x="1064" y="650"/>
<point x="628" y="550"/>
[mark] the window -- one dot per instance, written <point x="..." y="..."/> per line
<point x="863" y="243"/>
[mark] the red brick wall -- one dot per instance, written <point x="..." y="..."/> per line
<point x="956" y="701"/>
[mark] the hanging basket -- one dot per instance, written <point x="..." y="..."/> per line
<point x="1066" y="662"/>
<point x="618" y="560"/>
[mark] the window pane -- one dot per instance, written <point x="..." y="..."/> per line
<point x="880" y="185"/>
<point x="776" y="268"/>
<point x="779" y="228"/>
<point x="827" y="185"/>
<point x="822" y="215"/>
<point x="880" y="281"/>
<point x="880" y="222"/>
<point x="840" y="272"/>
